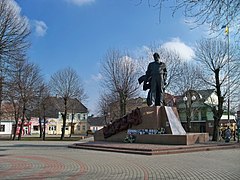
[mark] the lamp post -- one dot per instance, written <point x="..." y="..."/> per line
<point x="189" y="98"/>
<point x="105" y="113"/>
<point x="227" y="32"/>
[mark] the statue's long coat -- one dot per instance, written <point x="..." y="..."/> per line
<point x="156" y="74"/>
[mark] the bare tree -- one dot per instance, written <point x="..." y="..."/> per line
<point x="120" y="77"/>
<point x="104" y="105"/>
<point x="216" y="13"/>
<point x="12" y="97"/>
<point x="186" y="84"/>
<point x="23" y="83"/>
<point x="66" y="84"/>
<point x="45" y="105"/>
<point x="14" y="31"/>
<point x="221" y="71"/>
<point x="42" y="99"/>
<point x="188" y="79"/>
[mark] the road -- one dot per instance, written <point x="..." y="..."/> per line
<point x="54" y="160"/>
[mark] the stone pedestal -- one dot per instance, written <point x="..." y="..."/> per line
<point x="153" y="118"/>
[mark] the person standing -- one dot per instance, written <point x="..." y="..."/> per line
<point x="227" y="134"/>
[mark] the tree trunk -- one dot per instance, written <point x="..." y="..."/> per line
<point x="217" y="112"/>
<point x="64" y="126"/>
<point x="40" y="126"/>
<point x="215" y="130"/>
<point x="21" y="127"/>
<point x="44" y="128"/>
<point x="15" y="129"/>
<point x="188" y="116"/>
<point x="16" y="116"/>
<point x="122" y="104"/>
<point x="1" y="94"/>
<point x="64" y="116"/>
<point x="71" y="125"/>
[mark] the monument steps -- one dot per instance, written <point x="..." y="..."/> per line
<point x="149" y="149"/>
<point x="108" y="149"/>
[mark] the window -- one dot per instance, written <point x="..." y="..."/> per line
<point x="2" y="128"/>
<point x="52" y="128"/>
<point x="79" y="116"/>
<point x="83" y="127"/>
<point x="78" y="127"/>
<point x="203" y="115"/>
<point x="35" y="128"/>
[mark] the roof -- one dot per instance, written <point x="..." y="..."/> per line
<point x="73" y="105"/>
<point x="96" y="121"/>
<point x="56" y="105"/>
<point x="204" y="95"/>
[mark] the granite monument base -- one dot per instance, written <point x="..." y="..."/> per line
<point x="146" y="130"/>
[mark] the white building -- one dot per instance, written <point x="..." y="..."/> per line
<point x="6" y="127"/>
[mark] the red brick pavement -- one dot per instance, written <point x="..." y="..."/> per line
<point x="54" y="160"/>
<point x="38" y="167"/>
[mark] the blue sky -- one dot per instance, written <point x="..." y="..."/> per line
<point x="78" y="33"/>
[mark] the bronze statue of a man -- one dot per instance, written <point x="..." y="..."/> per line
<point x="155" y="80"/>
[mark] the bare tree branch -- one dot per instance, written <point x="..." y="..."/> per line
<point x="219" y="65"/>
<point x="22" y="85"/>
<point x="120" y="77"/>
<point x="67" y="85"/>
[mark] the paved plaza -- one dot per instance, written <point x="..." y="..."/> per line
<point x="54" y="160"/>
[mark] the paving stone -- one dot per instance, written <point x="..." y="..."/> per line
<point x="54" y="160"/>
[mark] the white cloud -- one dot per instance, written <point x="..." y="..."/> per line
<point x="97" y="77"/>
<point x="80" y="2"/>
<point x="40" y="28"/>
<point x="185" y="52"/>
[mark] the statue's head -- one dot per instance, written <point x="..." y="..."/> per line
<point x="156" y="56"/>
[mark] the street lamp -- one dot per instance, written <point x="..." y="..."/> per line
<point x="189" y="98"/>
<point x="105" y="114"/>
